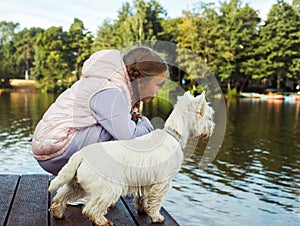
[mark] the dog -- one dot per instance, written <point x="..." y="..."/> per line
<point x="143" y="166"/>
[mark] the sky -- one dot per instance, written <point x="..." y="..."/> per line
<point x="47" y="13"/>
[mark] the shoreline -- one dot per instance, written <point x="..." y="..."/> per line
<point x="21" y="85"/>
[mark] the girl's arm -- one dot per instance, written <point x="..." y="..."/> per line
<point x="110" y="108"/>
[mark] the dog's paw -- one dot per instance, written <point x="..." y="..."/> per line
<point x="108" y="223"/>
<point x="141" y="211"/>
<point x="158" y="219"/>
<point x="57" y="213"/>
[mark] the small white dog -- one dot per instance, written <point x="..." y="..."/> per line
<point x="143" y="166"/>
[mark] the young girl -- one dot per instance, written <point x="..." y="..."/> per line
<point x="97" y="107"/>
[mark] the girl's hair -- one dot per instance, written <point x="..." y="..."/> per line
<point x="142" y="61"/>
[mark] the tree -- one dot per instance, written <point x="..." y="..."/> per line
<point x="170" y="30"/>
<point x="235" y="38"/>
<point x="135" y="24"/>
<point x="145" y="21"/>
<point x="7" y="32"/>
<point x="228" y="41"/>
<point x="107" y="37"/>
<point x="296" y="5"/>
<point x="79" y="46"/>
<point x="188" y="45"/>
<point x="24" y="43"/>
<point x="8" y="68"/>
<point x="280" y="44"/>
<point x="245" y="52"/>
<point x="51" y="69"/>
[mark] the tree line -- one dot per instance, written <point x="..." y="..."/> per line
<point x="230" y="38"/>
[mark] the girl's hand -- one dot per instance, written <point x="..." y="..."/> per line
<point x="135" y="116"/>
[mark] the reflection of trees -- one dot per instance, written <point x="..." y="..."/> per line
<point x="266" y="126"/>
<point x="157" y="107"/>
<point x="20" y="113"/>
<point x="260" y="155"/>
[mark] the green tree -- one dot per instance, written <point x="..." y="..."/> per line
<point x="245" y="51"/>
<point x="236" y="36"/>
<point x="296" y="5"/>
<point x="51" y="60"/>
<point x="108" y="37"/>
<point x="146" y="22"/>
<point x="8" y="67"/>
<point x="135" y="24"/>
<point x="113" y="34"/>
<point x="188" y="45"/>
<point x="228" y="41"/>
<point x="280" y="44"/>
<point x="79" y="46"/>
<point x="170" y="30"/>
<point x="198" y="33"/>
<point x="7" y="32"/>
<point x="25" y="49"/>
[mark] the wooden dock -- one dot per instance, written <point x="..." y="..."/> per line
<point x="25" y="201"/>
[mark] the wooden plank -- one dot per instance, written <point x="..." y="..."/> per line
<point x="119" y="215"/>
<point x="143" y="218"/>
<point x="30" y="206"/>
<point x="25" y="201"/>
<point x="8" y="185"/>
<point x="72" y="216"/>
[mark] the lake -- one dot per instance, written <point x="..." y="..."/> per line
<point x="254" y="179"/>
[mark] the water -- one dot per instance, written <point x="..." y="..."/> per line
<point x="254" y="180"/>
<point x="19" y="114"/>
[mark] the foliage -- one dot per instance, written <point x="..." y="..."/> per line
<point x="280" y="44"/>
<point x="7" y="57"/>
<point x="79" y="46"/>
<point x="227" y="39"/>
<point x="236" y="37"/>
<point x="135" y="24"/>
<point x="24" y="42"/>
<point x="195" y="36"/>
<point x="51" y="59"/>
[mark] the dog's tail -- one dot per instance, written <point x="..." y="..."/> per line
<point x="67" y="173"/>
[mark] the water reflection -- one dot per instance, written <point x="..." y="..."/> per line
<point x="19" y="114"/>
<point x="253" y="181"/>
<point x="255" y="178"/>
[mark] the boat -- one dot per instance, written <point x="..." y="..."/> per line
<point x="292" y="98"/>
<point x="274" y="97"/>
<point x="250" y="95"/>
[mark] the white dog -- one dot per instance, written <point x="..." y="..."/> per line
<point x="143" y="166"/>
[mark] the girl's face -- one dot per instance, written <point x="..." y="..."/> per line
<point x="149" y="86"/>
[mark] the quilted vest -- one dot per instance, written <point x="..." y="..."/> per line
<point x="71" y="112"/>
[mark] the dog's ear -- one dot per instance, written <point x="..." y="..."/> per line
<point x="200" y="100"/>
<point x="186" y="97"/>
<point x="187" y="94"/>
<point x="201" y="96"/>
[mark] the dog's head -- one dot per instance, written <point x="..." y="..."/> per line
<point x="197" y="113"/>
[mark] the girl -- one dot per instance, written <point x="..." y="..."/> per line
<point x="97" y="107"/>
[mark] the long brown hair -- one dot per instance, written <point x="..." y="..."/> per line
<point x="142" y="61"/>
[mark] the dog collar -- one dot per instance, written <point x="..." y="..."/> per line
<point x="174" y="133"/>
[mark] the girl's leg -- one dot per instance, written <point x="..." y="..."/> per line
<point x="89" y="135"/>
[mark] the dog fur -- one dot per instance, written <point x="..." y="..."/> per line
<point x="143" y="166"/>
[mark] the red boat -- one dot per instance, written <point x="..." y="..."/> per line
<point x="275" y="96"/>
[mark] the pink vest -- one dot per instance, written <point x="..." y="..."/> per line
<point x="71" y="112"/>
